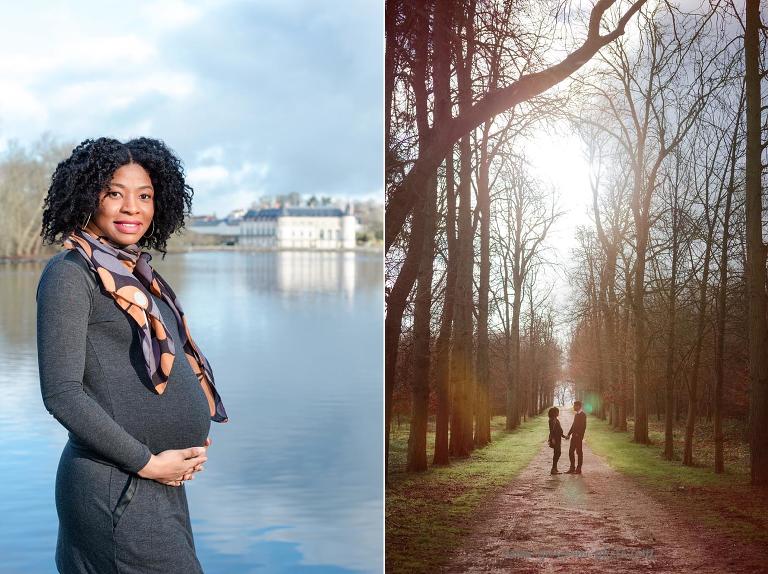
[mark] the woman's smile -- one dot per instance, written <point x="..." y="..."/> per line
<point x="128" y="227"/>
<point x="126" y="206"/>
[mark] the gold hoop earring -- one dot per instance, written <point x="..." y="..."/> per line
<point x="151" y="234"/>
<point x="87" y="221"/>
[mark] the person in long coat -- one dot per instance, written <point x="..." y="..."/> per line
<point x="555" y="437"/>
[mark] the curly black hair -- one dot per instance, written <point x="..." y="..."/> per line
<point x="77" y="181"/>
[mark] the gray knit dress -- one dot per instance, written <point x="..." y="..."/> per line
<point x="94" y="381"/>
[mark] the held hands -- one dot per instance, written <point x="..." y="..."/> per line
<point x="173" y="467"/>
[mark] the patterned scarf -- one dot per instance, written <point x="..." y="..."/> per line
<point x="126" y="275"/>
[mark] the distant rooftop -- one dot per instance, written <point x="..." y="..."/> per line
<point x="275" y="212"/>
<point x="211" y="223"/>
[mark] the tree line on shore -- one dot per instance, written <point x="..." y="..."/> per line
<point x="25" y="175"/>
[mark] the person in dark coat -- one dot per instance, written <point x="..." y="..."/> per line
<point x="578" y="428"/>
<point x="555" y="434"/>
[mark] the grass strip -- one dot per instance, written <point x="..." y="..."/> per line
<point x="428" y="514"/>
<point x="726" y="502"/>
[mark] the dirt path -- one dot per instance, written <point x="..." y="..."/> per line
<point x="595" y="522"/>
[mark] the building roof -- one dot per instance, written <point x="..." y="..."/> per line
<point x="212" y="223"/>
<point x="275" y="212"/>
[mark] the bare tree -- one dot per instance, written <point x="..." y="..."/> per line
<point x="443" y="136"/>
<point x="524" y="217"/>
<point x="756" y="250"/>
<point x="722" y="292"/>
<point x="25" y="175"/>
<point x="654" y="91"/>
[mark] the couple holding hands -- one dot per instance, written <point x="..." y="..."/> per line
<point x="556" y="433"/>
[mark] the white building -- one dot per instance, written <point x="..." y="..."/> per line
<point x="299" y="228"/>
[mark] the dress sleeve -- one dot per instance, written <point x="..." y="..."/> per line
<point x="63" y="306"/>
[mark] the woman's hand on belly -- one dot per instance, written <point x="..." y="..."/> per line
<point x="173" y="466"/>
<point x="191" y="474"/>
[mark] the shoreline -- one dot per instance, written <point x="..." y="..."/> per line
<point x="369" y="249"/>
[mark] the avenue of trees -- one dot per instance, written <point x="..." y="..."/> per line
<point x="466" y="223"/>
<point x="671" y="276"/>
<point x="670" y="279"/>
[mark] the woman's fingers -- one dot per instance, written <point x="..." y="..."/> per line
<point x="196" y="456"/>
<point x="194" y="451"/>
<point x="195" y="461"/>
<point x="191" y="473"/>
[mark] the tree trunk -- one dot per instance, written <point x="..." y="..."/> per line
<point x="669" y="386"/>
<point x="461" y="356"/>
<point x="389" y="68"/>
<point x="442" y="77"/>
<point x="640" y="342"/>
<point x="483" y="426"/>
<point x="509" y="377"/>
<point x="721" y="302"/>
<point x="532" y="352"/>
<point x="393" y="321"/>
<point x="417" y="439"/>
<point x="461" y="443"/>
<point x="409" y="272"/>
<point x="702" y="319"/>
<point x="756" y="275"/>
<point x="625" y="329"/>
<point x="442" y="352"/>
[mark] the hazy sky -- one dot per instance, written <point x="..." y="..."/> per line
<point x="257" y="97"/>
<point x="559" y="162"/>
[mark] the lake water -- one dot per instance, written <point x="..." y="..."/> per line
<point x="294" y="481"/>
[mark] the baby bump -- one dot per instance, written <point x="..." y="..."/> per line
<point x="116" y="375"/>
<point x="179" y="418"/>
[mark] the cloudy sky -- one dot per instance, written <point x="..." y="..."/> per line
<point x="259" y="97"/>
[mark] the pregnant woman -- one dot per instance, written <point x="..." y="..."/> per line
<point x="119" y="368"/>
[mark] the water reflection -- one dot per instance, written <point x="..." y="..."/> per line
<point x="293" y="482"/>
